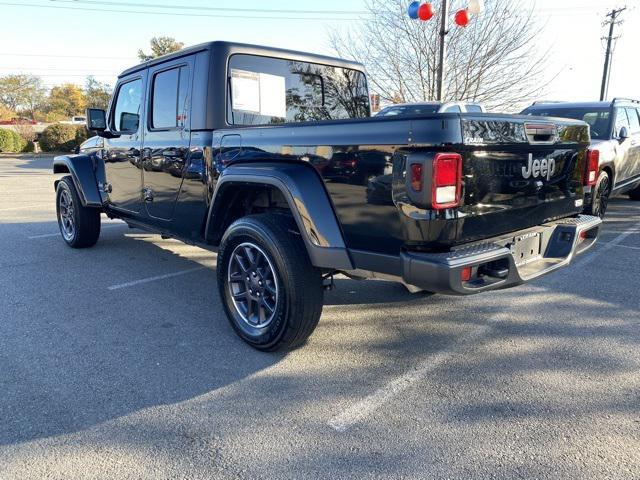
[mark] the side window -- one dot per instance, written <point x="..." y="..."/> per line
<point x="126" y="113"/>
<point x="634" y="122"/>
<point x="452" y="109"/>
<point x="621" y="121"/>
<point x="264" y="90"/>
<point x="169" y="98"/>
<point x="474" y="109"/>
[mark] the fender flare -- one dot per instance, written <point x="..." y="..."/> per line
<point x="307" y="198"/>
<point x="81" y="168"/>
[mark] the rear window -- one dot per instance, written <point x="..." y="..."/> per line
<point x="599" y="119"/>
<point x="169" y="98"/>
<point x="264" y="90"/>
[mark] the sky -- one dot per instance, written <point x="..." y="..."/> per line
<point x="66" y="40"/>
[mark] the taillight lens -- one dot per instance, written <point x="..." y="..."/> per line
<point x="416" y="177"/>
<point x="446" y="182"/>
<point x="593" y="163"/>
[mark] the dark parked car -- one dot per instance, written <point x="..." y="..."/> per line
<point x="235" y="147"/>
<point x="615" y="146"/>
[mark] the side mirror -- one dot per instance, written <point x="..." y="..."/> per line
<point x="96" y="120"/>
<point x="624" y="134"/>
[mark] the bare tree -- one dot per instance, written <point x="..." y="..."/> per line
<point x="494" y="61"/>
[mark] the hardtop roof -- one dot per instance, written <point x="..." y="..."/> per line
<point x="234" y="47"/>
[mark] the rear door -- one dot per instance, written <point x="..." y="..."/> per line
<point x="167" y="136"/>
<point x="123" y="156"/>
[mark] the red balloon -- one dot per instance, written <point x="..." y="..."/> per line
<point x="425" y="11"/>
<point x="462" y="18"/>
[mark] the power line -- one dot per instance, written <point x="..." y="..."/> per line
<point x="7" y="54"/>
<point x="557" y="10"/>
<point x="218" y="9"/>
<point x="174" y="14"/>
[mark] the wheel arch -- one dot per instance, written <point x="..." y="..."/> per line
<point x="81" y="169"/>
<point x="306" y="199"/>
<point x="610" y="168"/>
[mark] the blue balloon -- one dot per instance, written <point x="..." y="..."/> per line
<point x="413" y="10"/>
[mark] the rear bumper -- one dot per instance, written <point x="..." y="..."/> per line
<point x="493" y="264"/>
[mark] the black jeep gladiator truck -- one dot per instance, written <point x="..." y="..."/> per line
<point x="271" y="158"/>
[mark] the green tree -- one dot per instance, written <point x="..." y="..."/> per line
<point x="66" y="101"/>
<point x="160" y="46"/>
<point x="97" y="94"/>
<point x="22" y="93"/>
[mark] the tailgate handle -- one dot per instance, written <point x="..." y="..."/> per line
<point x="541" y="132"/>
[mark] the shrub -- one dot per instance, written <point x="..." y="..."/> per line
<point x="30" y="147"/>
<point x="10" y="141"/>
<point x="6" y="140"/>
<point x="62" y="137"/>
<point x="19" y="143"/>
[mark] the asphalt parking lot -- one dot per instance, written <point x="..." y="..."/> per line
<point x="118" y="362"/>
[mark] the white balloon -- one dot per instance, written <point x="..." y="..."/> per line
<point x="476" y="6"/>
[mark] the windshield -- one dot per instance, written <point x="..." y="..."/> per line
<point x="408" y="110"/>
<point x="599" y="119"/>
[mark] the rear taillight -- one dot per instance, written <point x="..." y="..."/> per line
<point x="446" y="181"/>
<point x="593" y="164"/>
<point x="416" y="177"/>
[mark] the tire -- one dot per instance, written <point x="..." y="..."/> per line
<point x="278" y="292"/>
<point x="600" y="195"/>
<point x="79" y="226"/>
<point x="635" y="194"/>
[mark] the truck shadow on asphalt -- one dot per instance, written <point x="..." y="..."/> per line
<point x="74" y="354"/>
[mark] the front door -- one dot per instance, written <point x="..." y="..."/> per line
<point x="167" y="136"/>
<point x="123" y="153"/>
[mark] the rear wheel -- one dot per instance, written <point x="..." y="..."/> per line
<point x="601" y="193"/>
<point x="79" y="226"/>
<point x="271" y="292"/>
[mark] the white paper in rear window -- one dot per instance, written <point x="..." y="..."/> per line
<point x="273" y="98"/>
<point x="245" y="91"/>
<point x="259" y="93"/>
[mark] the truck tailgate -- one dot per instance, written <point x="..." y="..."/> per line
<point x="519" y="172"/>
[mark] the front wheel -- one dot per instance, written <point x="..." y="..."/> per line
<point x="635" y="193"/>
<point x="600" y="196"/>
<point x="271" y="292"/>
<point x="79" y="225"/>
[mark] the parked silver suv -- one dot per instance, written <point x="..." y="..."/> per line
<point x="615" y="137"/>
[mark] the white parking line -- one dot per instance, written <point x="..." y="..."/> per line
<point x="623" y="246"/>
<point x="603" y="247"/>
<point x="365" y="407"/>
<point x="153" y="279"/>
<point x="360" y="410"/>
<point x="24" y="207"/>
<point x="57" y="234"/>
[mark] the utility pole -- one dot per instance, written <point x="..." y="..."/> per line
<point x="611" y="20"/>
<point x="443" y="49"/>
